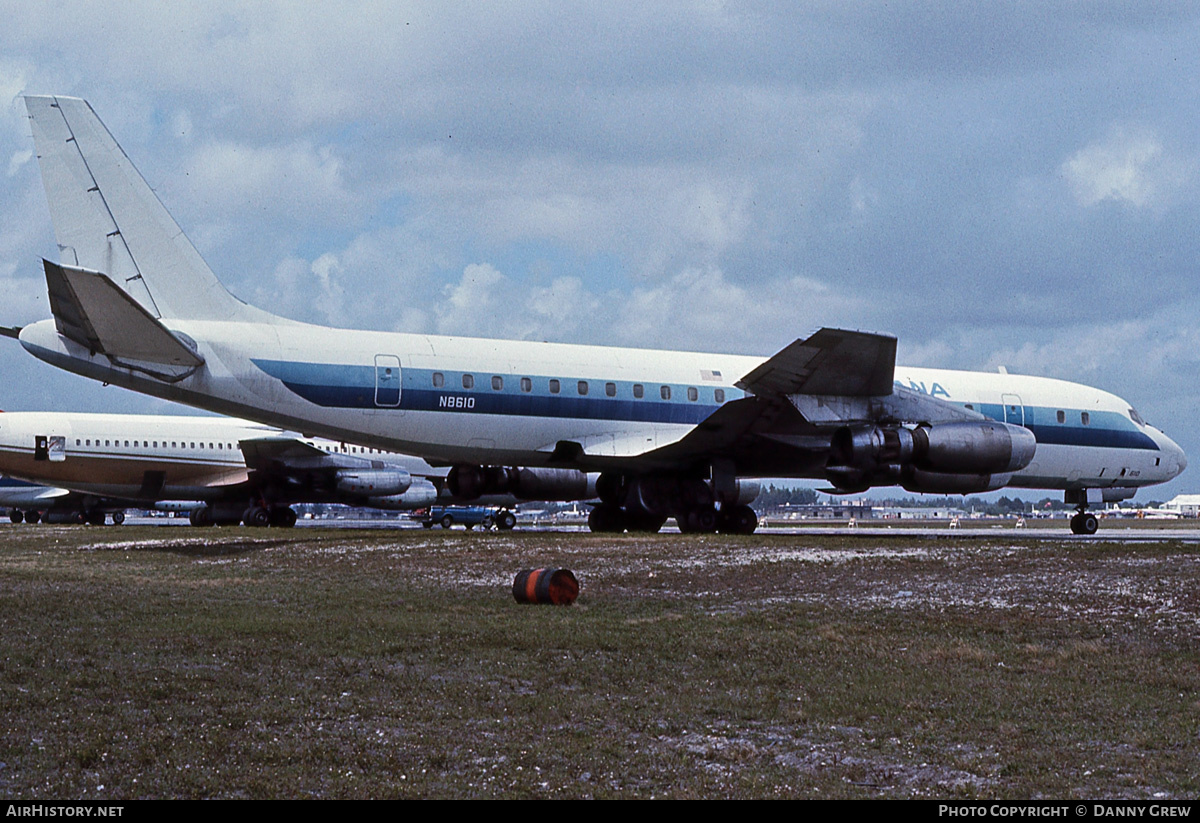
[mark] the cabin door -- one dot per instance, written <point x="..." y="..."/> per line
<point x="387" y="381"/>
<point x="1014" y="411"/>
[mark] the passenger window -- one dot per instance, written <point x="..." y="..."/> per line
<point x="665" y="391"/>
<point x="583" y="387"/>
<point x="497" y="382"/>
<point x="554" y="387"/>
<point x="693" y="394"/>
<point x="610" y="389"/>
<point x="1085" y="418"/>
<point x="1061" y="416"/>
<point x="526" y="384"/>
<point x="719" y="395"/>
<point x="638" y="390"/>
<point x="439" y="379"/>
<point x="468" y="381"/>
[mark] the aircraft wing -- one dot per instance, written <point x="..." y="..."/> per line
<point x="830" y="362"/>
<point x="831" y="379"/>
<point x="262" y="452"/>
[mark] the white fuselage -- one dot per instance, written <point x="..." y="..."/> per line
<point x="463" y="400"/>
<point x="145" y="457"/>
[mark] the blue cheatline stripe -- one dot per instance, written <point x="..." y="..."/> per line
<point x="10" y="483"/>
<point x="1106" y="429"/>
<point x="353" y="387"/>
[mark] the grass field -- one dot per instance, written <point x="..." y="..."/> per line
<point x="176" y="662"/>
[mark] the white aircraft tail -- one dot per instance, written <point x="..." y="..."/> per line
<point x="107" y="219"/>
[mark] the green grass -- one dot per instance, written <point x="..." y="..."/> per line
<point x="231" y="663"/>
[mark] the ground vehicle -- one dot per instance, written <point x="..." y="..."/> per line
<point x="470" y="516"/>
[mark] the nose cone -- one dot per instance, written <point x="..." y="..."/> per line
<point x="1174" y="460"/>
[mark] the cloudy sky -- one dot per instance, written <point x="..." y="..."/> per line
<point x="998" y="184"/>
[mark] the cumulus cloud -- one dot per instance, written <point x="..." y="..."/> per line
<point x="714" y="177"/>
<point x="1129" y="166"/>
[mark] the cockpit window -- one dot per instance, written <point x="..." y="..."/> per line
<point x="1137" y="418"/>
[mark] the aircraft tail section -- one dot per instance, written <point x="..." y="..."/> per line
<point x="107" y="219"/>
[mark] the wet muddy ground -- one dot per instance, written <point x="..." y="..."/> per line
<point x="337" y="663"/>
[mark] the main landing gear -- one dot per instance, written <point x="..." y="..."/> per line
<point x="256" y="516"/>
<point x="643" y="504"/>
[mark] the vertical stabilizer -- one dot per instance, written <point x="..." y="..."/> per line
<point x="107" y="219"/>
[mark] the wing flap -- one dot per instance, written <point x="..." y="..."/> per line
<point x="619" y="445"/>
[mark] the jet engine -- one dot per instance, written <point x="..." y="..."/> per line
<point x="948" y="458"/>
<point x="372" y="482"/>
<point x="420" y="494"/>
<point x="469" y="482"/>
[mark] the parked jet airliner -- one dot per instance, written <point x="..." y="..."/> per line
<point x="233" y="470"/>
<point x="673" y="433"/>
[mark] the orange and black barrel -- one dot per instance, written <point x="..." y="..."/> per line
<point x="556" y="586"/>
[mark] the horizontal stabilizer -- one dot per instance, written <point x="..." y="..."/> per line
<point x="94" y="312"/>
<point x="830" y="362"/>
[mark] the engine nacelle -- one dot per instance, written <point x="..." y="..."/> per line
<point x="973" y="456"/>
<point x="372" y="482"/>
<point x="746" y="492"/>
<point x="420" y="494"/>
<point x="552" y="484"/>
<point x="467" y="482"/>
<point x="925" y="482"/>
<point x="974" y="447"/>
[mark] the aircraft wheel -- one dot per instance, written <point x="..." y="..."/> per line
<point x="1084" y="523"/>
<point x="447" y="522"/>
<point x="257" y="517"/>
<point x="201" y="516"/>
<point x="33" y="516"/>
<point x="16" y="515"/>
<point x="283" y="516"/>
<point x="118" y="518"/>
<point x="606" y="519"/>
<point x="738" y="520"/>
<point x="698" y="521"/>
<point x="427" y="524"/>
<point x="506" y="520"/>
<point x="94" y="518"/>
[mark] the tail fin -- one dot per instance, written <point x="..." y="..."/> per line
<point x="107" y="219"/>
